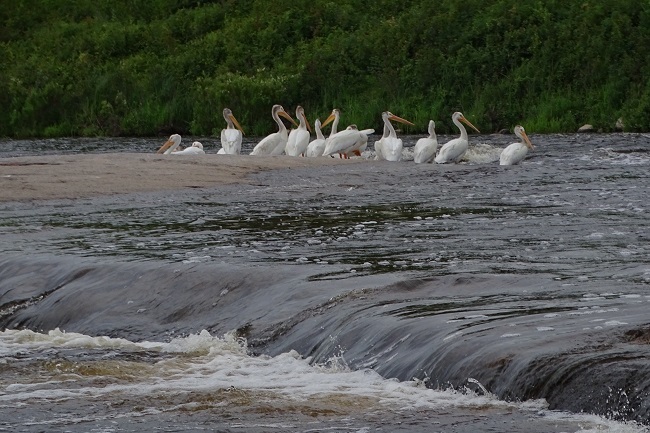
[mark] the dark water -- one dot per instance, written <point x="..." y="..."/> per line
<point x="502" y="298"/>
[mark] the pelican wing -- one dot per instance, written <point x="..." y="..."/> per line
<point x="267" y="145"/>
<point x="316" y="147"/>
<point x="341" y="141"/>
<point x="513" y="154"/>
<point x="425" y="150"/>
<point x="298" y="142"/>
<point x="452" y="151"/>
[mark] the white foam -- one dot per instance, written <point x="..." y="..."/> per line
<point x="209" y="364"/>
<point x="13" y="340"/>
<point x="614" y="323"/>
<point x="482" y="153"/>
<point x="205" y="363"/>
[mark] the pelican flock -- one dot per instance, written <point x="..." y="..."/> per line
<point x="351" y="141"/>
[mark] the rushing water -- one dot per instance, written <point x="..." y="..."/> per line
<point x="363" y="297"/>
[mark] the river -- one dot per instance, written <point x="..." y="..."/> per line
<point x="363" y="297"/>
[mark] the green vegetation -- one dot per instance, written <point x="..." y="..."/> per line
<point x="119" y="67"/>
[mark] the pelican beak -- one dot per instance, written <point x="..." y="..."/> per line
<point x="237" y="125"/>
<point x="308" y="125"/>
<point x="328" y="120"/>
<point x="399" y="119"/>
<point x="165" y="146"/>
<point x="288" y="117"/>
<point x="468" y="123"/>
<point x="527" y="140"/>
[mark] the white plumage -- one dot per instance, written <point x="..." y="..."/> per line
<point x="425" y="148"/>
<point x="299" y="137"/>
<point x="516" y="152"/>
<point x="347" y="141"/>
<point x="195" y="149"/>
<point x="391" y="145"/>
<point x="317" y="146"/>
<point x="275" y="143"/>
<point x="453" y="150"/>
<point x="231" y="136"/>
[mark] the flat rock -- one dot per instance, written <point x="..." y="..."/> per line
<point x="586" y="128"/>
<point x="87" y="175"/>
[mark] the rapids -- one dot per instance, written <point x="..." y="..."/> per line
<point x="521" y="285"/>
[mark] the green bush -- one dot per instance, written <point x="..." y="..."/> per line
<point x="103" y="67"/>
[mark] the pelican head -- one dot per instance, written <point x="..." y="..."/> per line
<point x="300" y="114"/>
<point x="391" y="116"/>
<point x="173" y="142"/>
<point x="197" y="144"/>
<point x="278" y="110"/>
<point x="333" y="115"/>
<point x="230" y="118"/>
<point x="459" y="116"/>
<point x="521" y="133"/>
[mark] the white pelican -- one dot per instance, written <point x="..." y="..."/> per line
<point x="195" y="149"/>
<point x="231" y="137"/>
<point x="425" y="148"/>
<point x="170" y="145"/>
<point x="316" y="146"/>
<point x="334" y="116"/>
<point x="391" y="146"/>
<point x="299" y="137"/>
<point x="361" y="144"/>
<point x="453" y="150"/>
<point x="346" y="141"/>
<point x="516" y="152"/>
<point x="274" y="144"/>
